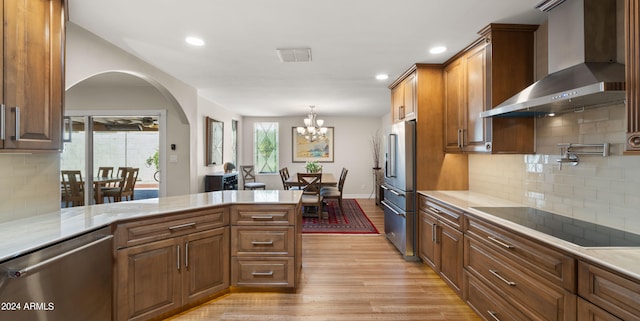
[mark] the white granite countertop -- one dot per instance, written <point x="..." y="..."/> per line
<point x="25" y="235"/>
<point x="625" y="260"/>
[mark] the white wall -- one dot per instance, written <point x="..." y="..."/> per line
<point x="599" y="189"/>
<point x="217" y="112"/>
<point x="352" y="147"/>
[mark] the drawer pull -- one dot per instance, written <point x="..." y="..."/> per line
<point x="262" y="242"/>
<point x="433" y="210"/>
<point x="176" y="227"/>
<point x="509" y="283"/>
<point x="493" y="315"/>
<point x="262" y="217"/>
<point x="270" y="273"/>
<point x="501" y="243"/>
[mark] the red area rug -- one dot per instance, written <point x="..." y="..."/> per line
<point x="353" y="221"/>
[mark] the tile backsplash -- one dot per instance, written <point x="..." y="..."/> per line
<point x="605" y="190"/>
<point x="29" y="184"/>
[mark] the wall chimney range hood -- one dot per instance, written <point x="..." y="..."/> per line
<point x="583" y="72"/>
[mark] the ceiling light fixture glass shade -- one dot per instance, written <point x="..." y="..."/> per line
<point x="312" y="129"/>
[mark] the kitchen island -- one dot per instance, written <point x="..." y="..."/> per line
<point x="508" y="270"/>
<point x="167" y="254"/>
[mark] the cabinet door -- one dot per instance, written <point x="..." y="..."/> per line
<point x="33" y="74"/>
<point x="206" y="262"/>
<point x="475" y="133"/>
<point x="453" y="103"/>
<point x="590" y="312"/>
<point x="451" y="247"/>
<point x="426" y="238"/>
<point x="409" y="86"/>
<point x="397" y="102"/>
<point x="148" y="280"/>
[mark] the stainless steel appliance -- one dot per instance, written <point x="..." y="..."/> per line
<point x="68" y="281"/>
<point x="399" y="188"/>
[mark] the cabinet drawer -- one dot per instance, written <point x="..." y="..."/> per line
<point x="590" y="312"/>
<point x="488" y="304"/>
<point x="542" y="260"/>
<point x="521" y="290"/>
<point x="452" y="215"/>
<point x="263" y="215"/>
<point x="262" y="241"/>
<point x="263" y="272"/>
<point x="612" y="292"/>
<point x="144" y="231"/>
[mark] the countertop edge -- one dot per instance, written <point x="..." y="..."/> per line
<point x="23" y="236"/>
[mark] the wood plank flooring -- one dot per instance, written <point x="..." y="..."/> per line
<point x="346" y="278"/>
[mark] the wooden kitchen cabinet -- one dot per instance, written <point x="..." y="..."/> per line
<point x="534" y="279"/>
<point x="32" y="86"/>
<point x="440" y="240"/>
<point x="403" y="99"/>
<point x="266" y="244"/>
<point x="492" y="69"/>
<point x="434" y="171"/>
<point x="163" y="264"/>
<point x="609" y="293"/>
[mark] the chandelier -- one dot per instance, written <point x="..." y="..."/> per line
<point x="312" y="129"/>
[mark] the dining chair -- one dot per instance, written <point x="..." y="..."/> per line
<point x="332" y="192"/>
<point x="125" y="187"/>
<point x="283" y="176"/>
<point x="105" y="171"/>
<point x="249" y="178"/>
<point x="310" y="184"/>
<point x="73" y="187"/>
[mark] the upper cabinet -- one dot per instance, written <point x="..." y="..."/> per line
<point x="32" y="85"/>
<point x="492" y="69"/>
<point x="403" y="99"/>
<point x="632" y="63"/>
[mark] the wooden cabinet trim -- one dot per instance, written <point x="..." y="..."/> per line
<point x="618" y="295"/>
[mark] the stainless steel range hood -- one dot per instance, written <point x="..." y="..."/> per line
<point x="582" y="62"/>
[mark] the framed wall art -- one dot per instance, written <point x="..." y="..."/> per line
<point x="320" y="150"/>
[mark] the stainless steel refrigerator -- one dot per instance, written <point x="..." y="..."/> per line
<point x="399" y="188"/>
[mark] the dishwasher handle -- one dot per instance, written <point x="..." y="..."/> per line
<point x="13" y="274"/>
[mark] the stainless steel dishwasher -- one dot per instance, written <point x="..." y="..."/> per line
<point x="67" y="281"/>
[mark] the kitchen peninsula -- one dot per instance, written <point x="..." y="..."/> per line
<point x="166" y="253"/>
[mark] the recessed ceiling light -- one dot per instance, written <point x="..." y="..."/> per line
<point x="382" y="76"/>
<point x="194" y="41"/>
<point x="437" y="50"/>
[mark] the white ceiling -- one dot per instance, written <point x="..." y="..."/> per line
<point x="351" y="41"/>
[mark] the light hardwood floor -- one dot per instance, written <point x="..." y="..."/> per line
<point x="346" y="278"/>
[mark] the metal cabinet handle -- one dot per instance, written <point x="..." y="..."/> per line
<point x="434" y="233"/>
<point x="509" y="283"/>
<point x="2" y="122"/>
<point x="493" y="315"/>
<point x="186" y="255"/>
<point x="17" y="111"/>
<point x="262" y="243"/>
<point x="270" y="273"/>
<point x="433" y="210"/>
<point x="262" y="217"/>
<point x="459" y="138"/>
<point x="178" y="256"/>
<point x="501" y="243"/>
<point x="175" y="227"/>
<point x="36" y="267"/>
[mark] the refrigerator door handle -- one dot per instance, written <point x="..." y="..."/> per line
<point x="392" y="154"/>
<point x="393" y="210"/>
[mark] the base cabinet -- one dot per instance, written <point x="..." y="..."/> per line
<point x="440" y="244"/>
<point x="164" y="275"/>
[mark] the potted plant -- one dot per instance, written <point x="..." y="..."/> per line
<point x="375" y="150"/>
<point x="313" y="167"/>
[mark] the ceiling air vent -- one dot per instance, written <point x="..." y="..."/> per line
<point x="294" y="54"/>
<point x="548" y="5"/>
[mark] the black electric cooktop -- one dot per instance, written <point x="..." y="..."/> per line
<point x="578" y="232"/>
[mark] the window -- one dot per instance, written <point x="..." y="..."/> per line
<point x="265" y="147"/>
<point x="234" y="142"/>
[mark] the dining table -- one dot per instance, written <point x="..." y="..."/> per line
<point x="99" y="183"/>
<point x="328" y="179"/>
